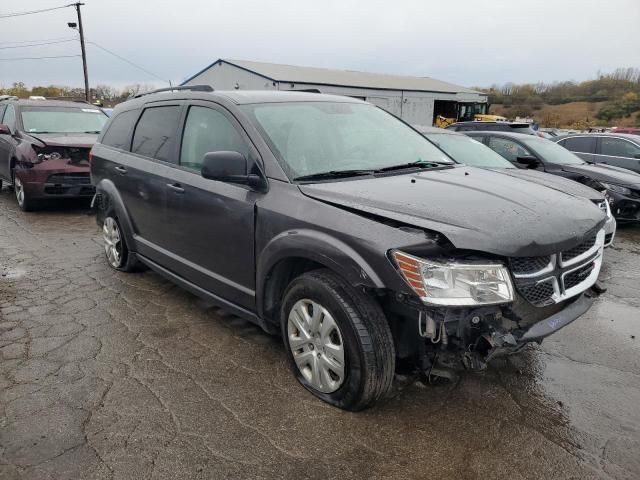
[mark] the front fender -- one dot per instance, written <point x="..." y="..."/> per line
<point x="320" y="248"/>
<point x="110" y="199"/>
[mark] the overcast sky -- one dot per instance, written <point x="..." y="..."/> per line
<point x="468" y="42"/>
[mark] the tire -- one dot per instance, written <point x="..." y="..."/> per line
<point x="115" y="246"/>
<point x="25" y="201"/>
<point x="341" y="316"/>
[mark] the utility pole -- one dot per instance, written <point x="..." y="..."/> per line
<point x="84" y="53"/>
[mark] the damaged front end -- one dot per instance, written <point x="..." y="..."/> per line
<point x="471" y="311"/>
<point x="55" y="171"/>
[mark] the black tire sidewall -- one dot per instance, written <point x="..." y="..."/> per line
<point x="351" y="390"/>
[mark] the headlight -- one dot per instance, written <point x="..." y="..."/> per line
<point x="616" y="188"/>
<point x="455" y="283"/>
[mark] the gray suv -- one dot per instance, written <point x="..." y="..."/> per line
<point x="617" y="149"/>
<point x="332" y="223"/>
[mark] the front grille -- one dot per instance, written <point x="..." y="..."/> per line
<point x="574" y="278"/>
<point x="579" y="250"/>
<point x="77" y="178"/>
<point x="540" y="293"/>
<point x="528" y="265"/>
<point x="545" y="280"/>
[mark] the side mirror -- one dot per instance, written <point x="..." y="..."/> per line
<point x="4" y="130"/>
<point x="529" y="161"/>
<point x="230" y="167"/>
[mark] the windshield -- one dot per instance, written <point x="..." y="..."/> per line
<point x="62" y="119"/>
<point x="315" y="137"/>
<point x="552" y="152"/>
<point x="464" y="149"/>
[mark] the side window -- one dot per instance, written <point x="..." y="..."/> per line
<point x="155" y="133"/>
<point x="9" y="118"/>
<point x="580" y="144"/>
<point x="208" y="130"/>
<point x="508" y="149"/>
<point x="118" y="135"/>
<point x="617" y="147"/>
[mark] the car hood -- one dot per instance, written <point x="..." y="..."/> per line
<point x="78" y="140"/>
<point x="606" y="173"/>
<point x="553" y="181"/>
<point x="475" y="209"/>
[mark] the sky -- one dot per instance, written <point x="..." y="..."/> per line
<point x="467" y="42"/>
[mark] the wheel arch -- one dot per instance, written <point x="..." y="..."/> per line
<point x="293" y="253"/>
<point x="107" y="198"/>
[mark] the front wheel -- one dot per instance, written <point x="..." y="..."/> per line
<point x="338" y="341"/>
<point x="25" y="202"/>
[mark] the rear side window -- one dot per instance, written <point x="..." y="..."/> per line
<point x="208" y="130"/>
<point x="155" y="134"/>
<point x="579" y="144"/>
<point x="617" y="147"/>
<point x="118" y="134"/>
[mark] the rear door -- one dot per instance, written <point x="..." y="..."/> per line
<point x="584" y="147"/>
<point x="210" y="225"/>
<point x="141" y="174"/>
<point x="619" y="152"/>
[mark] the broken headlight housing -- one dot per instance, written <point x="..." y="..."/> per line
<point x="455" y="284"/>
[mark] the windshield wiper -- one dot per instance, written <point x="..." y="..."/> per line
<point x="92" y="131"/>
<point x="417" y="164"/>
<point x="333" y="174"/>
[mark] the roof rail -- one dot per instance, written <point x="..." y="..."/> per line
<point x="194" y="88"/>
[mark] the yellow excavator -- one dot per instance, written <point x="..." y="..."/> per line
<point x="463" y="112"/>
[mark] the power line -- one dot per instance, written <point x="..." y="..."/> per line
<point x="31" y="12"/>
<point x="36" y="58"/>
<point x="128" y="61"/>
<point x="38" y="44"/>
<point x="40" y="40"/>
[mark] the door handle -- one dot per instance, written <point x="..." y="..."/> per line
<point x="175" y="187"/>
<point x="121" y="170"/>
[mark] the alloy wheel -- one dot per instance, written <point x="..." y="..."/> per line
<point x="19" y="190"/>
<point x="316" y="344"/>
<point x="112" y="242"/>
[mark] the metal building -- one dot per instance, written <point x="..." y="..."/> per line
<point x="417" y="100"/>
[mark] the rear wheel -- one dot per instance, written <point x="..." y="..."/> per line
<point x="115" y="246"/>
<point x="338" y="341"/>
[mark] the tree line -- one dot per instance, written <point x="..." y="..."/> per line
<point x="105" y="95"/>
<point x="619" y="91"/>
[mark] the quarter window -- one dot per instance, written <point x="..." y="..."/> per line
<point x="617" y="147"/>
<point x="579" y="144"/>
<point x="508" y="149"/>
<point x="208" y="130"/>
<point x="10" y="118"/>
<point x="118" y="134"/>
<point x="155" y="133"/>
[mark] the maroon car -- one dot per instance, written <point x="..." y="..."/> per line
<point x="44" y="148"/>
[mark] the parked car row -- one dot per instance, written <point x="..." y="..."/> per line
<point x="332" y="223"/>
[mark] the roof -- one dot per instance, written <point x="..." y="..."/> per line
<point x="628" y="136"/>
<point x="425" y="130"/>
<point x="482" y="122"/>
<point x="238" y="97"/>
<point x="324" y="76"/>
<point x="515" y="136"/>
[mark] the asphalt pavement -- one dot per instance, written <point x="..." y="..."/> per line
<point x="126" y="376"/>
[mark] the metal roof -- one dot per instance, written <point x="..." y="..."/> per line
<point x="349" y="78"/>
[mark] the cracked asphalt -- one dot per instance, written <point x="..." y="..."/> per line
<point x="125" y="376"/>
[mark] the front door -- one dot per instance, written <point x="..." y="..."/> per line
<point x="7" y="143"/>
<point x="210" y="224"/>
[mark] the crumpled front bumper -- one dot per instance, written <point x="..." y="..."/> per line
<point x="559" y="320"/>
<point x="56" y="178"/>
